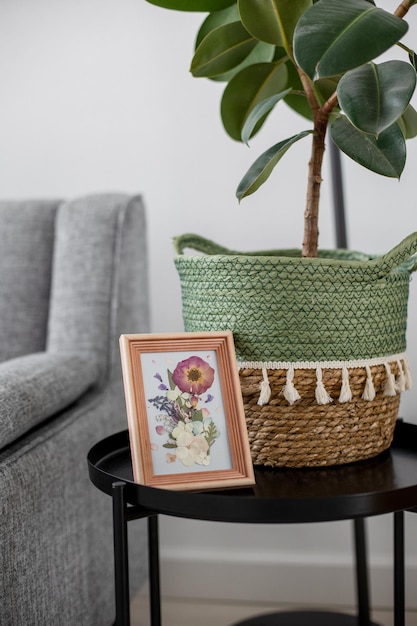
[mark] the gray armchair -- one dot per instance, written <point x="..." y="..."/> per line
<point x="73" y="277"/>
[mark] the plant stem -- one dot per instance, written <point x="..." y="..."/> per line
<point x="403" y="8"/>
<point x="321" y="120"/>
<point x="311" y="213"/>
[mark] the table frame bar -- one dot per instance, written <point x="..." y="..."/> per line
<point x="122" y="513"/>
<point x="399" y="569"/>
<point x="361" y="568"/>
<point x="121" y="556"/>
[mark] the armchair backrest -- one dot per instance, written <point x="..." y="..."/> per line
<point x="73" y="278"/>
<point x="66" y="271"/>
<point x="26" y="248"/>
<point x="99" y="253"/>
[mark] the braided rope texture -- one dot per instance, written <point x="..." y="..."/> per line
<point x="342" y="306"/>
<point x="308" y="435"/>
<point x="295" y="312"/>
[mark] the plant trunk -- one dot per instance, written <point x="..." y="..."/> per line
<point x="321" y="120"/>
<point x="311" y="214"/>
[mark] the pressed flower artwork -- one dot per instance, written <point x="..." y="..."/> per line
<point x="185" y="412"/>
<point x="185" y="415"/>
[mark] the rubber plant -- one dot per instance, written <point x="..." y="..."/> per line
<point x="318" y="57"/>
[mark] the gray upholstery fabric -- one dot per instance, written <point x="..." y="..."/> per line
<point x="26" y="239"/>
<point x="94" y="237"/>
<point x="56" y="547"/>
<point x="37" y="386"/>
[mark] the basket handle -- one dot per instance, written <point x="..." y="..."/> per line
<point x="200" y="244"/>
<point x="401" y="256"/>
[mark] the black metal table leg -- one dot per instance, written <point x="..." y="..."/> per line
<point x="121" y="561"/>
<point x="154" y="580"/>
<point x="362" y="586"/>
<point x="399" y="576"/>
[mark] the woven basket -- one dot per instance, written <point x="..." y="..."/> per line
<point x="320" y="343"/>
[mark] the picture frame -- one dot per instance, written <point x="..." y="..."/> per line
<point x="185" y="412"/>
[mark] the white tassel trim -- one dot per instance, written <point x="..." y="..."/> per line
<point x="345" y="391"/>
<point x="400" y="382"/>
<point x="289" y="391"/>
<point x="265" y="394"/>
<point x="369" y="391"/>
<point x="407" y="374"/>
<point x="322" y="397"/>
<point x="389" y="389"/>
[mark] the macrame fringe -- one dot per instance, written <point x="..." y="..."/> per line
<point x="289" y="391"/>
<point x="393" y="385"/>
<point x="322" y="397"/>
<point x="400" y="382"/>
<point x="390" y="386"/>
<point x="265" y="394"/>
<point x="369" y="392"/>
<point x="407" y="375"/>
<point x="345" y="391"/>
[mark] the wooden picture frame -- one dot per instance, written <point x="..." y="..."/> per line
<point x="185" y="414"/>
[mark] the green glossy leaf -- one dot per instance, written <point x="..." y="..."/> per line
<point x="251" y="86"/>
<point x="272" y="21"/>
<point x="280" y="54"/>
<point x="333" y="36"/>
<point x="216" y="19"/>
<point x="261" y="169"/>
<point x="297" y="100"/>
<point x="374" y="96"/>
<point x="408" y="122"/>
<point x="221" y="50"/>
<point x="385" y="155"/>
<point x="259" y="112"/>
<point x="261" y="53"/>
<point x="325" y="87"/>
<point x="205" y="6"/>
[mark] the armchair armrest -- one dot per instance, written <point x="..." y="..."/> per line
<point x="37" y="386"/>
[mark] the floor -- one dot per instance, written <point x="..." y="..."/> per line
<point x="177" y="612"/>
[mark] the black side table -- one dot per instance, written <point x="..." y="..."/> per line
<point x="385" y="484"/>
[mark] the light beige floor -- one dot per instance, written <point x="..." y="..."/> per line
<point x="178" y="612"/>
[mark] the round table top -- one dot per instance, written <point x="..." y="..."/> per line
<point x="384" y="484"/>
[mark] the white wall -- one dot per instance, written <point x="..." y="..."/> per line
<point x="95" y="96"/>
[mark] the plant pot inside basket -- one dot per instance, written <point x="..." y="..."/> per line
<point x="320" y="344"/>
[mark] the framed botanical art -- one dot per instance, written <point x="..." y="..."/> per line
<point x="185" y="413"/>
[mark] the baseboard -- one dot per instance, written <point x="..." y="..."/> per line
<point x="232" y="577"/>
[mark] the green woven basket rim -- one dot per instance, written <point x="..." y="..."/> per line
<point x="401" y="258"/>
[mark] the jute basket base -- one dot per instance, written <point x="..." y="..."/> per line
<point x="306" y="434"/>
